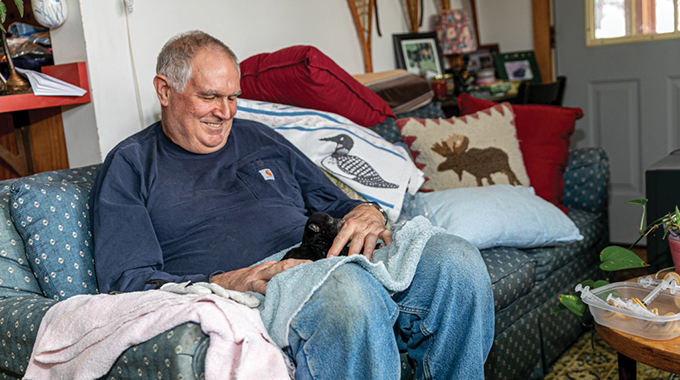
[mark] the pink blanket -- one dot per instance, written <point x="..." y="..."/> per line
<point x="82" y="337"/>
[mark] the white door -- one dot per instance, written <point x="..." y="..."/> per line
<point x="630" y="94"/>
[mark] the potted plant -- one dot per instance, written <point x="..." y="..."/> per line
<point x="15" y="83"/>
<point x="3" y="12"/>
<point x="670" y="226"/>
<point x="616" y="258"/>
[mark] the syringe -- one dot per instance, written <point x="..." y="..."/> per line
<point x="669" y="282"/>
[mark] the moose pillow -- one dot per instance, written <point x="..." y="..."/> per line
<point x="479" y="149"/>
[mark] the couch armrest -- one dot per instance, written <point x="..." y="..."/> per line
<point x="20" y="318"/>
<point x="586" y="179"/>
<point x="176" y="353"/>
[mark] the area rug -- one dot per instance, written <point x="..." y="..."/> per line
<point x="583" y="362"/>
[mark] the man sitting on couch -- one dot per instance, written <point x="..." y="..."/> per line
<point x="201" y="196"/>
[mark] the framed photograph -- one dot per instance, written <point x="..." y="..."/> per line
<point x="482" y="58"/>
<point x="518" y="66"/>
<point x="418" y="53"/>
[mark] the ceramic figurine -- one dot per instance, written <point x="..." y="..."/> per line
<point x="50" y="13"/>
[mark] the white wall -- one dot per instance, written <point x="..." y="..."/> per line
<point x="507" y="23"/>
<point x="121" y="66"/>
<point x="80" y="129"/>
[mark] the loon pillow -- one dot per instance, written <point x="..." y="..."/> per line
<point x="480" y="149"/>
<point x="378" y="170"/>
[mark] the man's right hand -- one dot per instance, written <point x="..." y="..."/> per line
<point x="255" y="278"/>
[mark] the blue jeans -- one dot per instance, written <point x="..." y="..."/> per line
<point x="352" y="328"/>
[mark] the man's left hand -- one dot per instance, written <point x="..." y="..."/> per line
<point x="362" y="227"/>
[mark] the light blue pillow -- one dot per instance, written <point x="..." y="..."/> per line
<point x="499" y="216"/>
<point x="54" y="222"/>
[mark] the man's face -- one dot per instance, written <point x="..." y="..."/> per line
<point x="199" y="118"/>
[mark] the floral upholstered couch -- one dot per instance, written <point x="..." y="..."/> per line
<point x="525" y="285"/>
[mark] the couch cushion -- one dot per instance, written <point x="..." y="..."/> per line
<point x="303" y="76"/>
<point x="563" y="280"/>
<point x="544" y="133"/>
<point x="461" y="152"/>
<point x="53" y="220"/>
<point x="15" y="273"/>
<point x="548" y="260"/>
<point x="512" y="274"/>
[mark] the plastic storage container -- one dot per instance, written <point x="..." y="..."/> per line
<point x="661" y="327"/>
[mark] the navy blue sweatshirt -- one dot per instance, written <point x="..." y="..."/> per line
<point x="160" y="212"/>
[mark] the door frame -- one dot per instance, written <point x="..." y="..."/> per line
<point x="542" y="20"/>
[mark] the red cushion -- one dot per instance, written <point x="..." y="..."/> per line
<point x="544" y="134"/>
<point x="303" y="76"/>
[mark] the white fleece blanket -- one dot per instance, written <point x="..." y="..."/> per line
<point x="380" y="171"/>
<point x="82" y="337"/>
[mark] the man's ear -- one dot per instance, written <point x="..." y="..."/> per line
<point x="162" y="85"/>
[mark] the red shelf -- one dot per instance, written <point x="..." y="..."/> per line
<point x="73" y="73"/>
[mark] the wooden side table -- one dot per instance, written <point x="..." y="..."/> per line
<point x="662" y="354"/>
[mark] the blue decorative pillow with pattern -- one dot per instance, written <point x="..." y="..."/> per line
<point x="53" y="220"/>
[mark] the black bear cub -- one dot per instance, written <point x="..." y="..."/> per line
<point x="320" y="230"/>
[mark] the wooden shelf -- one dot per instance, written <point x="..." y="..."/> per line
<point x="73" y="73"/>
<point x="31" y="128"/>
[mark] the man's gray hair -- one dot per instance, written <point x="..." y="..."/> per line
<point x="174" y="60"/>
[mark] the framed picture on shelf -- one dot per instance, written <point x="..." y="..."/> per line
<point x="482" y="58"/>
<point x="418" y="53"/>
<point x="518" y="66"/>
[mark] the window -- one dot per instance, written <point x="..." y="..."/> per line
<point x="623" y="21"/>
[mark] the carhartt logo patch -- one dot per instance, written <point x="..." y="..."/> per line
<point x="267" y="174"/>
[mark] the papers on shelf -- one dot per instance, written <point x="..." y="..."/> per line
<point x="45" y="85"/>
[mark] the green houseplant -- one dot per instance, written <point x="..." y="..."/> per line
<point x="3" y="12"/>
<point x="15" y="84"/>
<point x="614" y="258"/>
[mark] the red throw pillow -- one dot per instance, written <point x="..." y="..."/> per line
<point x="544" y="134"/>
<point x="303" y="76"/>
